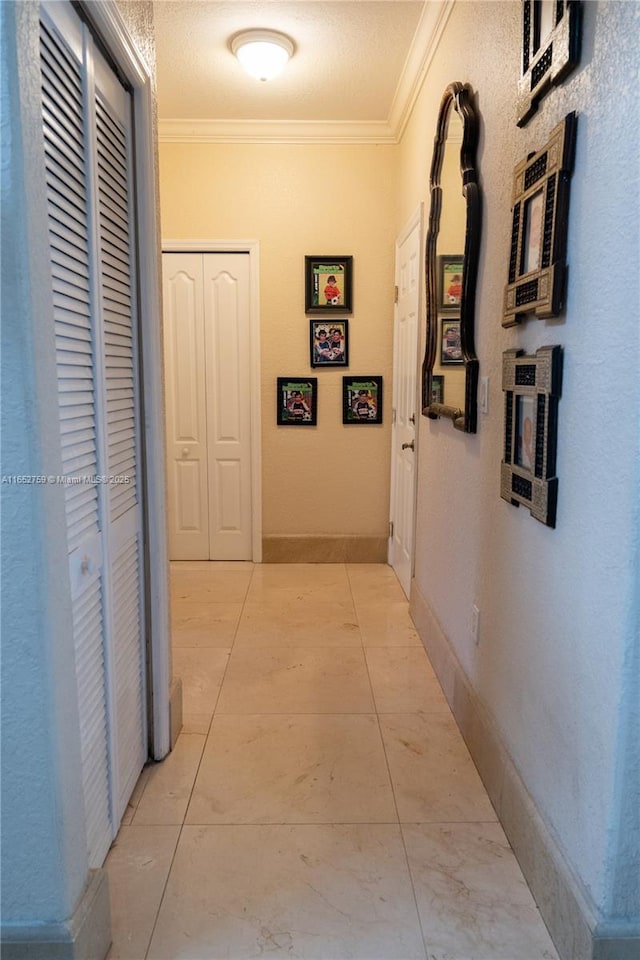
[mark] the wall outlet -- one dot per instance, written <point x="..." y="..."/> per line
<point x="475" y="624"/>
<point x="484" y="394"/>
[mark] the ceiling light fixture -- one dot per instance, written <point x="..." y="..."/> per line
<point x="262" y="53"/>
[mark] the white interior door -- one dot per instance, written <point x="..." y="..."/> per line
<point x="208" y="384"/>
<point x="188" y="494"/>
<point x="405" y="401"/>
<point x="227" y="349"/>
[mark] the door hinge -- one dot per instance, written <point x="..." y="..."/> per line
<point x="395" y="295"/>
<point x="390" y="529"/>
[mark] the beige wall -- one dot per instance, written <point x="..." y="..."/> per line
<point x="299" y="200"/>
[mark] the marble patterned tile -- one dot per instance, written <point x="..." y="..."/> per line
<point x="296" y="680"/>
<point x="201" y="670"/>
<point x="212" y="624"/>
<point x="169" y="784"/>
<point x="138" y="866"/>
<point x="298" y="622"/>
<point x="374" y="583"/>
<point x="210" y="585"/>
<point x="473" y="900"/>
<point x="433" y="776"/>
<point x="325" y="583"/>
<point x="228" y="566"/>
<point x="403" y="681"/>
<point x="293" y="769"/>
<point x="136" y="796"/>
<point x="328" y="892"/>
<point x="387" y="624"/>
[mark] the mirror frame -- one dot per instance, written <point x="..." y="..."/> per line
<point x="458" y="97"/>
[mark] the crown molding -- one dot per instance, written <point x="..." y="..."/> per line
<point x="431" y="25"/>
<point x="275" y="131"/>
<point x="423" y="47"/>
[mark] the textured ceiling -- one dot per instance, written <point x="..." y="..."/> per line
<point x="351" y="62"/>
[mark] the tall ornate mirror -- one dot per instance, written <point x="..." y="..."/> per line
<point x="450" y="367"/>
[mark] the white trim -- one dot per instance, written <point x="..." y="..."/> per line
<point x="275" y="131"/>
<point x="109" y="22"/>
<point x="415" y="220"/>
<point x="425" y="42"/>
<point x="251" y="247"/>
<point x="417" y="217"/>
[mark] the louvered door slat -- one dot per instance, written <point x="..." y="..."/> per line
<point x="128" y="664"/>
<point x="117" y="319"/>
<point x="65" y="151"/>
<point x="64" y="179"/>
<point x="114" y="195"/>
<point x="67" y="335"/>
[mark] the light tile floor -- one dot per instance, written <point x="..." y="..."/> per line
<point x="320" y="801"/>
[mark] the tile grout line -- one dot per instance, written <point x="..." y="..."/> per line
<point x="395" y="802"/>
<point x="186" y="809"/>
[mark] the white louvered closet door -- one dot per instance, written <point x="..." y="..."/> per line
<point x="87" y="131"/>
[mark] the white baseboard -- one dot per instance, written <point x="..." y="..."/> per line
<point x="84" y="936"/>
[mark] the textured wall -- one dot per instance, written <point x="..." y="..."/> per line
<point x="138" y="17"/>
<point x="297" y="200"/>
<point x="44" y="859"/>
<point x="559" y="621"/>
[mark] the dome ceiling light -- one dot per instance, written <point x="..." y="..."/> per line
<point x="262" y="53"/>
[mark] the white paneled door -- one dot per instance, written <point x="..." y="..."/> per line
<point x="87" y="126"/>
<point x="405" y="402"/>
<point x="208" y="390"/>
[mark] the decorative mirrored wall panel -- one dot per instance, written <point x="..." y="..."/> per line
<point x="532" y="387"/>
<point x="550" y="50"/>
<point x="450" y="367"/>
<point x="537" y="277"/>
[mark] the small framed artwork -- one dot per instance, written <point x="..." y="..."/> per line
<point x="437" y="388"/>
<point x="550" y="50"/>
<point x="362" y="399"/>
<point x="297" y="401"/>
<point x="328" y="284"/>
<point x="532" y="386"/>
<point x="537" y="260"/>
<point x="450" y="342"/>
<point x="450" y="275"/>
<point x="329" y="343"/>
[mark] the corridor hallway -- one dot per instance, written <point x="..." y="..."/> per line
<point x="320" y="801"/>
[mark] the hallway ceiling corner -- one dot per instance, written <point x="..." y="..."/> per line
<point x="356" y="72"/>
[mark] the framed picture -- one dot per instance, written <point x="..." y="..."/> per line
<point x="537" y="261"/>
<point x="450" y="342"/>
<point x="297" y="401"/>
<point x="329" y="343"/>
<point x="550" y="50"/>
<point x="328" y="284"/>
<point x="437" y="388"/>
<point x="532" y="386"/>
<point x="362" y="399"/>
<point x="450" y="274"/>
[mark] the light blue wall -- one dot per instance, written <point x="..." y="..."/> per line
<point x="44" y="859"/>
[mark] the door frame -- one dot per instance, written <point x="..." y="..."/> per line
<point x="112" y="29"/>
<point x="415" y="220"/>
<point x="252" y="248"/>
